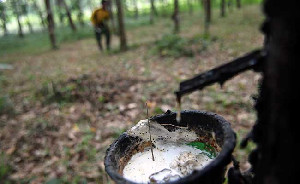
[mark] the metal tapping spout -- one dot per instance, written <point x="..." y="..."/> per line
<point x="220" y="74"/>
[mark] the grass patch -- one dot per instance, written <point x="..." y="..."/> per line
<point x="6" y="105"/>
<point x="5" y="169"/>
<point x="39" y="41"/>
<point x="172" y="45"/>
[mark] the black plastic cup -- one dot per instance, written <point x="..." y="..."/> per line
<point x="206" y="125"/>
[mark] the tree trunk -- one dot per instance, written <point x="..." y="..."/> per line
<point x="190" y="6"/>
<point x="40" y="14"/>
<point x="208" y="11"/>
<point x="276" y="132"/>
<point x="80" y="13"/>
<point x="223" y="8"/>
<point x="29" y="26"/>
<point x="50" y="21"/>
<point x="3" y="18"/>
<point x="207" y="21"/>
<point x="111" y="16"/>
<point x="153" y="7"/>
<point x="152" y="10"/>
<point x="20" y="29"/>
<point x="136" y="9"/>
<point x="176" y="17"/>
<point x="72" y="25"/>
<point x="123" y="43"/>
<point x="16" y="8"/>
<point x="238" y="4"/>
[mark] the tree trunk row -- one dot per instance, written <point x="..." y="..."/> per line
<point x="122" y="34"/>
<point x="207" y="15"/>
<point x="176" y="16"/>
<point x="3" y="18"/>
<point x="72" y="25"/>
<point x="50" y="24"/>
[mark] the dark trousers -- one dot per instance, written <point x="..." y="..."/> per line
<point x="102" y="30"/>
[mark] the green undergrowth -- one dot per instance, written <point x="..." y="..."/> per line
<point x="38" y="42"/>
<point x="173" y="45"/>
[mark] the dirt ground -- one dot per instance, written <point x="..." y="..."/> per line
<point x="70" y="104"/>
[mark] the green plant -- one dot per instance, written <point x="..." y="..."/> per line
<point x="5" y="168"/>
<point x="172" y="45"/>
<point x="6" y="105"/>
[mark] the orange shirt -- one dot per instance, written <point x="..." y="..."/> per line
<point x="98" y="16"/>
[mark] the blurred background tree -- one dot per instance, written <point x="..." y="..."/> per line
<point x="27" y="17"/>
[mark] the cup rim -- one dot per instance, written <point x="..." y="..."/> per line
<point x="220" y="161"/>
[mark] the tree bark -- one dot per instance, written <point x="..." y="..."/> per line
<point x="208" y="11"/>
<point x="40" y="14"/>
<point x="17" y="10"/>
<point x="122" y="34"/>
<point x="175" y="17"/>
<point x="152" y="11"/>
<point x="276" y="132"/>
<point x="223" y="11"/>
<point x="238" y="4"/>
<point x="50" y="21"/>
<point x="3" y="18"/>
<point x="190" y="6"/>
<point x="72" y="25"/>
<point x="207" y="21"/>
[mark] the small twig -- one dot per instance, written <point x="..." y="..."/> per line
<point x="150" y="132"/>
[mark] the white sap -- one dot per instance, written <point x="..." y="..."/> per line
<point x="173" y="158"/>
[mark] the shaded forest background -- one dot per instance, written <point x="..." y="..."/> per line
<point x="62" y="104"/>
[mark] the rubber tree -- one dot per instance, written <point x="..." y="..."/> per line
<point x="153" y="7"/>
<point x="39" y="13"/>
<point x="222" y="8"/>
<point x="207" y="15"/>
<point x="238" y="4"/>
<point x="17" y="11"/>
<point x="122" y="33"/>
<point x="25" y="11"/>
<point x="50" y="22"/>
<point x="276" y="133"/>
<point x="175" y="17"/>
<point x="68" y="13"/>
<point x="3" y="17"/>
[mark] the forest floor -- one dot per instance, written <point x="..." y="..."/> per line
<point x="63" y="108"/>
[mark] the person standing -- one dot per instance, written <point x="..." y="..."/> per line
<point x="99" y="20"/>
